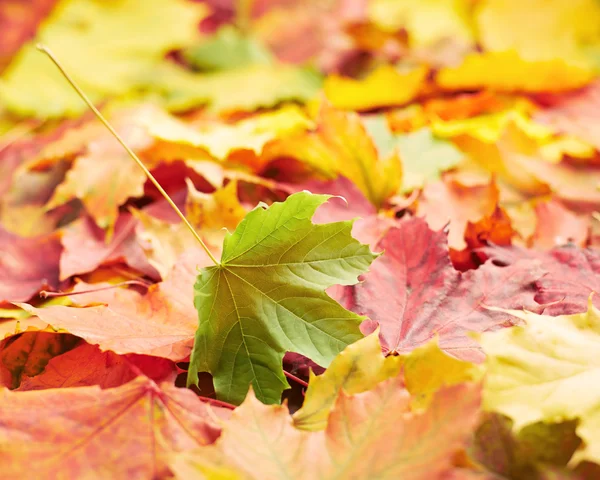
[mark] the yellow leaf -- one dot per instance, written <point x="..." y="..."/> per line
<point x="427" y="21"/>
<point x="383" y="87"/>
<point x="548" y="370"/>
<point x="560" y="29"/>
<point x="427" y="369"/>
<point x="341" y="146"/>
<point x="221" y="139"/>
<point x="107" y="47"/>
<point x="360" y="367"/>
<point x="508" y="71"/>
<point x="490" y="128"/>
<point x="217" y="210"/>
<point x="556" y="149"/>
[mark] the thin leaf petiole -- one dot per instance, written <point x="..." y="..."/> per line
<point x="296" y="379"/>
<point x="46" y="50"/>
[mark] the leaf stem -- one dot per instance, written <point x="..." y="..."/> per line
<point x="100" y="117"/>
<point x="295" y="379"/>
<point x="217" y="403"/>
<point x="47" y="294"/>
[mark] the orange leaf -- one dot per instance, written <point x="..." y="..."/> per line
<point x="557" y="226"/>
<point x="453" y="200"/>
<point x="369" y="435"/>
<point x="162" y="322"/>
<point x="86" y="365"/>
<point x="28" y="353"/>
<point x="86" y="432"/>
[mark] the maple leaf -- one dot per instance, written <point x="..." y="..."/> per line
<point x="104" y="46"/>
<point x="368" y="435"/>
<point x="86" y="365"/>
<point x="27" y="265"/>
<point x="103" y="179"/>
<point x="425" y="296"/>
<point x="547" y="370"/>
<point x="383" y="87"/>
<point x="570" y="275"/>
<point x="349" y="204"/>
<point x="73" y="431"/>
<point x="123" y="246"/>
<point x="341" y="146"/>
<point x="28" y="353"/>
<point x="358" y="368"/>
<point x="267" y="297"/>
<point x="455" y="201"/>
<point x="508" y="71"/>
<point x="169" y="318"/>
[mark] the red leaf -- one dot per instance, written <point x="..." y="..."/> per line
<point x="27" y="265"/>
<point x="414" y="294"/>
<point x="19" y="20"/>
<point x="85" y="248"/>
<point x="571" y="274"/>
<point x="86" y="365"/>
<point x="455" y="202"/>
<point x="27" y="354"/>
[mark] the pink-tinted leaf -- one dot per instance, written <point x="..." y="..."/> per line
<point x="570" y="275"/>
<point x="27" y="265"/>
<point x="86" y="432"/>
<point x="85" y="248"/>
<point x="162" y="322"/>
<point x="414" y="294"/>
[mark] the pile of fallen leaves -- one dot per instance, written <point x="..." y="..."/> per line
<point x="402" y="201"/>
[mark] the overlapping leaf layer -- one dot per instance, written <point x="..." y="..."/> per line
<point x="402" y="201"/>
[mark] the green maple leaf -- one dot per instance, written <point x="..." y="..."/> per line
<point x="267" y="296"/>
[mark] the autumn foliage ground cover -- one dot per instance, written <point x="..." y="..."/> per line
<point x="401" y="200"/>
